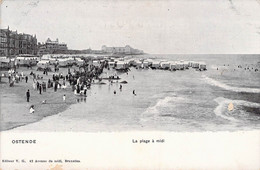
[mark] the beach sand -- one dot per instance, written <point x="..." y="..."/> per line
<point x="15" y="109"/>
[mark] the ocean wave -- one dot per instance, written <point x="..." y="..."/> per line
<point x="153" y="111"/>
<point x="230" y="88"/>
<point x="223" y="103"/>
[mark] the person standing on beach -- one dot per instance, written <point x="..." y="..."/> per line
<point x="64" y="98"/>
<point x="120" y="87"/>
<point x="134" y="92"/>
<point x="43" y="86"/>
<point x="28" y="95"/>
<point x="34" y="85"/>
<point x="26" y="79"/>
<point x="40" y="89"/>
<point x="37" y="85"/>
<point x="55" y="87"/>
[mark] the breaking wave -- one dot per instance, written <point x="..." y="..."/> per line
<point x="230" y="88"/>
<point x="166" y="102"/>
<point x="222" y="108"/>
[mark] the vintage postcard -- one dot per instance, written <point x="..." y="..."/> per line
<point x="127" y="84"/>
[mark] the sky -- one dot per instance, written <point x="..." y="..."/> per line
<point x="157" y="27"/>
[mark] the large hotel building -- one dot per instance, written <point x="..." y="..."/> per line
<point x="13" y="43"/>
<point x="121" y="50"/>
<point x="52" y="47"/>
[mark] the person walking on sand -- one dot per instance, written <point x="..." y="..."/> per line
<point x="120" y="87"/>
<point x="64" y="98"/>
<point x="28" y="95"/>
<point x="26" y="79"/>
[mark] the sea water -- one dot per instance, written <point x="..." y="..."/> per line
<point x="224" y="97"/>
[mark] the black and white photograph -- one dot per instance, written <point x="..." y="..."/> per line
<point x="188" y="67"/>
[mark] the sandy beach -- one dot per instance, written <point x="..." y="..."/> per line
<point x="15" y="109"/>
<point x="180" y="101"/>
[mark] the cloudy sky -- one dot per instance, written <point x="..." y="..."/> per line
<point x="162" y="26"/>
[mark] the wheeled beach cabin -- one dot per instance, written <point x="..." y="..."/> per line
<point x="145" y="64"/>
<point x="195" y="65"/>
<point x="63" y="62"/>
<point x="5" y="62"/>
<point x="43" y="63"/>
<point x="96" y="63"/>
<point x="180" y="65"/>
<point x="150" y="62"/>
<point x="186" y="64"/>
<point x="190" y="63"/>
<point x="111" y="64"/>
<point x="202" y="66"/>
<point x="173" y="66"/>
<point x="53" y="61"/>
<point x="26" y="60"/>
<point x="138" y="63"/>
<point x="165" y="65"/>
<point x="79" y="61"/>
<point x="155" y="65"/>
<point x="130" y="62"/>
<point x="134" y="63"/>
<point x="120" y="65"/>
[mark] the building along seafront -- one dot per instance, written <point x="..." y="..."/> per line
<point x="51" y="47"/>
<point x="121" y="50"/>
<point x="13" y="43"/>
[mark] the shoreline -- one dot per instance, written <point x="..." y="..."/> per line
<point x="14" y="99"/>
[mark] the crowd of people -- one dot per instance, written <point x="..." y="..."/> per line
<point x="15" y="77"/>
<point x="245" y="67"/>
<point x="79" y="80"/>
